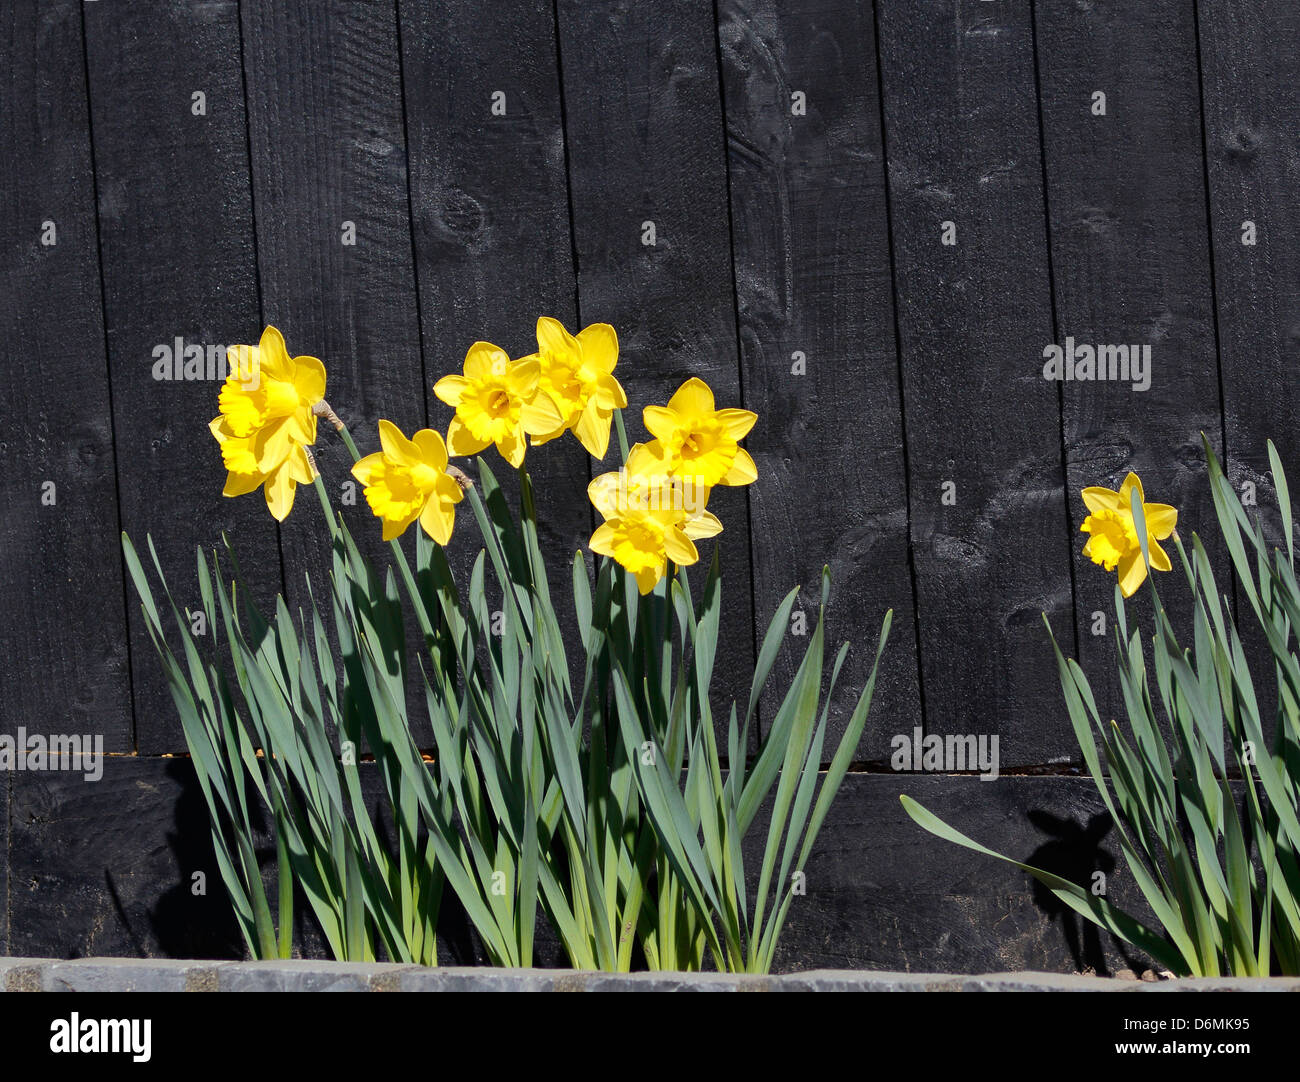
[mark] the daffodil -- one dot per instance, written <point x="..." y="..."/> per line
<point x="1114" y="541"/>
<point x="407" y="480"/>
<point x="643" y="541"/>
<point x="273" y="408"/>
<point x="267" y="420"/>
<point x="245" y="475"/>
<point x="576" y="388"/>
<point x="489" y="400"/>
<point x="702" y="442"/>
<point x="644" y="483"/>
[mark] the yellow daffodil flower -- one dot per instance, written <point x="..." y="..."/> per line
<point x="1114" y="541"/>
<point x="576" y="388"/>
<point x="267" y="420"/>
<point x="489" y="400"/>
<point x="407" y="480"/>
<point x="644" y="483"/>
<point x="274" y="407"/>
<point x="245" y="475"/>
<point x="702" y="442"/>
<point x="643" y="541"/>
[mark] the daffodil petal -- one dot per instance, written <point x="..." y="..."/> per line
<point x="279" y="494"/>
<point x="610" y="393"/>
<point x="450" y="388"/>
<point x="648" y="579"/>
<point x="553" y="338"/>
<point x="705" y="524"/>
<point x="447" y="490"/>
<point x="437" y="521"/>
<point x="1100" y="499"/>
<point x="694" y="397"/>
<point x="743" y="470"/>
<point x="660" y="421"/>
<point x="679" y="548"/>
<point x="602" y="541"/>
<point x="461" y="441"/>
<point x="1161" y="520"/>
<point x="240" y="484"/>
<point x="272" y="444"/>
<point x="542" y="417"/>
<point x="737" y="423"/>
<point x="431" y="448"/>
<point x="309" y="379"/>
<point x="365" y="469"/>
<point x="396" y="446"/>
<point x="513" y="446"/>
<point x="1132" y="572"/>
<point x="273" y="357"/>
<point x="394" y="528"/>
<point x="1132" y="481"/>
<point x="522" y="378"/>
<point x="592" y="430"/>
<point x="1159" y="557"/>
<point x="300" y="466"/>
<point x="604" y="492"/>
<point x="300" y="426"/>
<point x="485" y="359"/>
<point x="599" y="344"/>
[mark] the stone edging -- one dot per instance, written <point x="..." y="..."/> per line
<point x="298" y="975"/>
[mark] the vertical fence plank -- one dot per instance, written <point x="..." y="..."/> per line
<point x="334" y="241"/>
<point x="1251" y="84"/>
<point x="176" y="230"/>
<point x="647" y="153"/>
<point x="982" y="425"/>
<point x="64" y="663"/>
<point x="1128" y="233"/>
<point x="490" y="211"/>
<point x="811" y="244"/>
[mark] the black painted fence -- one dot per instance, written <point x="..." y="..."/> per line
<point x="869" y="222"/>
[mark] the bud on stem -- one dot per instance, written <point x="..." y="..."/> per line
<point x="323" y="409"/>
<point x="460" y="477"/>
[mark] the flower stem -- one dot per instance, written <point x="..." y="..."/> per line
<point x="319" y="484"/>
<point x="622" y="434"/>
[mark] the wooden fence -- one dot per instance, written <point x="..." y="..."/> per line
<point x="867" y="222"/>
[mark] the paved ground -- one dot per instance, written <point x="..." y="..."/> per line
<point x="154" y="975"/>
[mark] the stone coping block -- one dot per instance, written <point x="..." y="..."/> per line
<point x="303" y="975"/>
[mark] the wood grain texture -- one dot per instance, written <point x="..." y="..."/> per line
<point x="6" y="788"/>
<point x="646" y="144"/>
<point x="1130" y="252"/>
<point x="328" y="148"/>
<point x="1250" y="56"/>
<point x="811" y="244"/>
<point x="884" y="894"/>
<point x="64" y="665"/>
<point x="176" y="228"/>
<point x="107" y="869"/>
<point x="962" y="146"/>
<point x="490" y="210"/>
